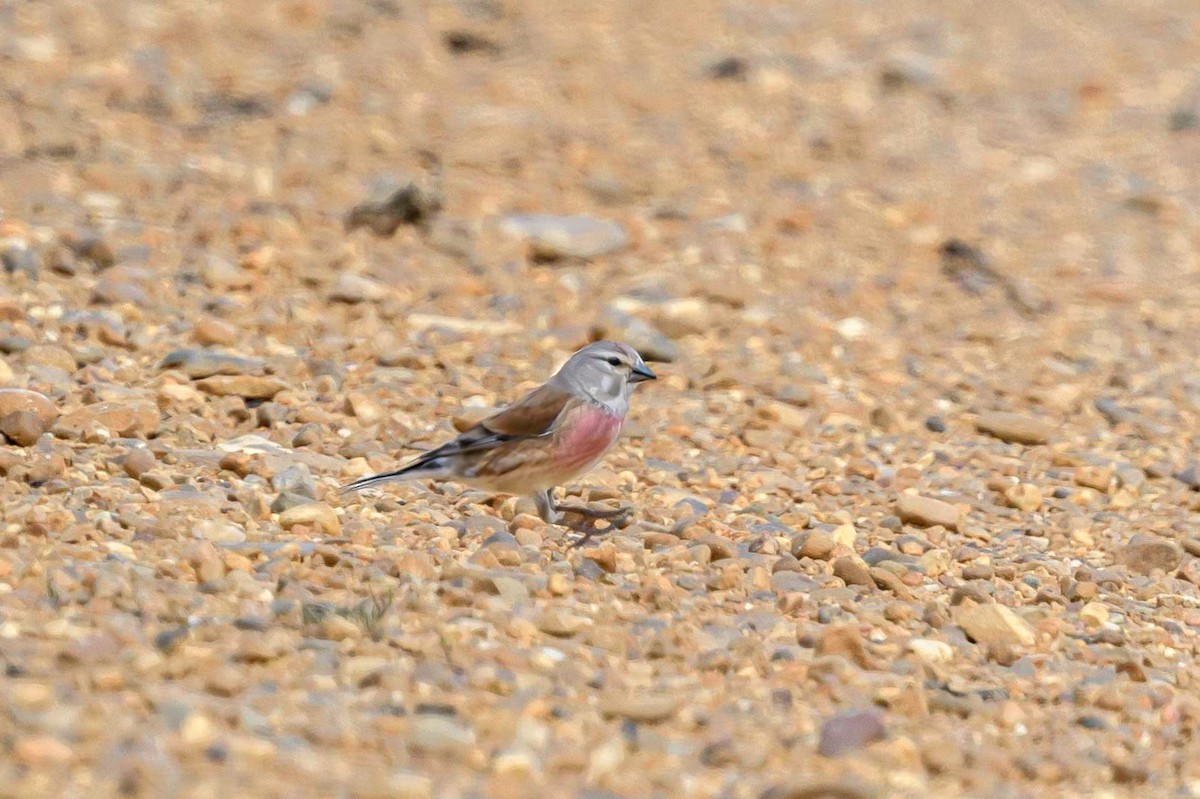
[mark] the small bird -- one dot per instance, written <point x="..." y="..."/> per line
<point x="552" y="435"/>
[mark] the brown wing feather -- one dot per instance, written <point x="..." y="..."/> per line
<point x="533" y="415"/>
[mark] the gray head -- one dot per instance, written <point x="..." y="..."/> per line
<point x="606" y="371"/>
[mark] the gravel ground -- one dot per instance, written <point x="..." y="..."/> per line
<point x="917" y="492"/>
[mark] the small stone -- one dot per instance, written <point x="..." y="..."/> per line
<point x="198" y="364"/>
<point x="644" y="337"/>
<point x="210" y="331"/>
<point x="22" y="428"/>
<point x="50" y="355"/>
<point x="558" y="622"/>
<point x="1094" y="614"/>
<point x="505" y="547"/>
<point x="219" y="273"/>
<point x="721" y="548"/>
<point x="640" y="707"/>
<point x="110" y="419"/>
<point x="288" y="500"/>
<point x="19" y="259"/>
<point x="1015" y="428"/>
<point x="313" y="514"/>
<point x="729" y="68"/>
<point x="437" y="734"/>
<point x="1190" y="476"/>
<point x="225" y="680"/>
<point x="41" y="751"/>
<point x="409" y="785"/>
<point x="853" y="571"/>
<point x="295" y="478"/>
<point x="219" y="532"/>
<point x="246" y="386"/>
<point x="931" y="651"/>
<point x="927" y="512"/>
<point x="1023" y="497"/>
<point x="407" y="205"/>
<point x="850" y="730"/>
<point x="935" y="424"/>
<point x="137" y="462"/>
<point x="994" y="625"/>
<point x="352" y="289"/>
<point x="553" y="238"/>
<point x="818" y="545"/>
<point x="1145" y="554"/>
<point x="846" y="641"/>
<point x="335" y="627"/>
<point x="785" y="415"/>
<point x="366" y="410"/>
<point x="1096" y="477"/>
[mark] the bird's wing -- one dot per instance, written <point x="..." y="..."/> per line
<point x="507" y="440"/>
<point x="533" y="416"/>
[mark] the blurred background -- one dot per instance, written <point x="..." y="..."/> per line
<point x="846" y="229"/>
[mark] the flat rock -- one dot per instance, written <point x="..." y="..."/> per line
<point x="351" y="288"/>
<point x="313" y="514"/>
<point x="994" y="625"/>
<point x="927" y="512"/>
<point x="1146" y="554"/>
<point x="641" y="707"/>
<point x="23" y="428"/>
<point x="247" y="386"/>
<point x="554" y="237"/>
<point x="201" y="363"/>
<point x="644" y="337"/>
<point x="850" y="730"/>
<point x="436" y="734"/>
<point x="136" y="419"/>
<point x="1016" y="428"/>
<point x="13" y="400"/>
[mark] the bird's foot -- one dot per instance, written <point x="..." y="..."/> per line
<point x="616" y="519"/>
<point x="594" y="513"/>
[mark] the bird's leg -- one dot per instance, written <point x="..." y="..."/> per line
<point x="544" y="500"/>
<point x="616" y="518"/>
<point x="594" y="513"/>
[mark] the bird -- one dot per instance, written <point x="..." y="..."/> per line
<point x="552" y="435"/>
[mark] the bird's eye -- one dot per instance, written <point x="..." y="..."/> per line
<point x="614" y="361"/>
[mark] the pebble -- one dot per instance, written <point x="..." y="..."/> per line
<point x="1016" y="428"/>
<point x="1024" y="497"/>
<point x="994" y="625"/>
<point x="440" y="735"/>
<point x="19" y="260"/>
<point x="138" y="461"/>
<point x="247" y="386"/>
<point x="853" y="571"/>
<point x="313" y="514"/>
<point x="22" y="428"/>
<point x="931" y="651"/>
<point x="927" y="512"/>
<point x="1145" y="554"/>
<point x="198" y="364"/>
<point x="352" y="288"/>
<point x="50" y="355"/>
<point x="641" y="707"/>
<point x="383" y="215"/>
<point x="850" y="730"/>
<point x="136" y="419"/>
<point x="219" y="532"/>
<point x="18" y="400"/>
<point x="553" y="238"/>
<point x="648" y="340"/>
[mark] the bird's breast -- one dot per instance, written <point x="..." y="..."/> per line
<point x="588" y="434"/>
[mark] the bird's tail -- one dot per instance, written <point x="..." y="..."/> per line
<point x="424" y="468"/>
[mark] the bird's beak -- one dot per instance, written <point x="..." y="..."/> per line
<point x="641" y="372"/>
